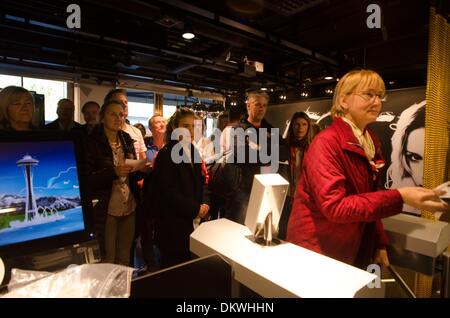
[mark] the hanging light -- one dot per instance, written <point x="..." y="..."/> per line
<point x="199" y="109"/>
<point x="215" y="110"/>
<point x="188" y="33"/>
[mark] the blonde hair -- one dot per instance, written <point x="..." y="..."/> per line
<point x="256" y="94"/>
<point x="7" y="96"/>
<point x="350" y="82"/>
<point x="150" y="121"/>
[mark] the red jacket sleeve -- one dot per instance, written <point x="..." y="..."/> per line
<point x="325" y="175"/>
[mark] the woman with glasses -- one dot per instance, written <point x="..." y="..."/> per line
<point x="16" y="109"/>
<point x="338" y="208"/>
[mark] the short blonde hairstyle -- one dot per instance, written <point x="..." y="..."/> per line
<point x="150" y="121"/>
<point x="7" y="96"/>
<point x="350" y="82"/>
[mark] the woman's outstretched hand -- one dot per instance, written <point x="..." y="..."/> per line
<point x="424" y="199"/>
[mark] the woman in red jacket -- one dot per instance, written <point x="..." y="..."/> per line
<point x="338" y="208"/>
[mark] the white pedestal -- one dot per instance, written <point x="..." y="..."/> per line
<point x="286" y="270"/>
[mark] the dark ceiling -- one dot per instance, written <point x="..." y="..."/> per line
<point x="299" y="41"/>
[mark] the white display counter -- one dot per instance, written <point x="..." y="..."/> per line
<point x="286" y="270"/>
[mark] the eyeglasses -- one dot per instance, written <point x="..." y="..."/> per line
<point x="370" y="96"/>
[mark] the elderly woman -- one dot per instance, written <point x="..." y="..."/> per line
<point x="16" y="109"/>
<point x="338" y="208"/>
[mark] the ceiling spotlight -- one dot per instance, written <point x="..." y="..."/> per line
<point x="188" y="35"/>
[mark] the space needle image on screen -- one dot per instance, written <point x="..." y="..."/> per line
<point x="39" y="191"/>
<point x="30" y="204"/>
<point x="32" y="215"/>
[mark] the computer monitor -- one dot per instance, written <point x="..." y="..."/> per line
<point x="268" y="195"/>
<point x="43" y="199"/>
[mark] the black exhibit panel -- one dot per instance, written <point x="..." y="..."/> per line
<point x="207" y="277"/>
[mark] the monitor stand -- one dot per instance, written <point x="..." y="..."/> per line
<point x="264" y="234"/>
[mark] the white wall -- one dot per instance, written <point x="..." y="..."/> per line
<point x="90" y="92"/>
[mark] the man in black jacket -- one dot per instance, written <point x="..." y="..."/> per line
<point x="64" y="122"/>
<point x="258" y="148"/>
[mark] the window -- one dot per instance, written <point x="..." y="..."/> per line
<point x="140" y="107"/>
<point x="210" y="125"/>
<point x="8" y="80"/>
<point x="53" y="91"/>
<point x="170" y="103"/>
<point x="168" y="110"/>
<point x="139" y="112"/>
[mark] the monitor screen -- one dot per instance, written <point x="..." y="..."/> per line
<point x="42" y="201"/>
<point x="268" y="195"/>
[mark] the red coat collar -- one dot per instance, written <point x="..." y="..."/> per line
<point x="349" y="141"/>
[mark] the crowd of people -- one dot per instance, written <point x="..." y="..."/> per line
<point x="144" y="218"/>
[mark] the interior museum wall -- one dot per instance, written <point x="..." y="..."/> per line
<point x="92" y="92"/>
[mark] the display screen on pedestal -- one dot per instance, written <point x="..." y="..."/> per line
<point x="267" y="196"/>
<point x="42" y="200"/>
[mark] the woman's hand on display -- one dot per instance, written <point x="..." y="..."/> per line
<point x="123" y="170"/>
<point x="424" y="199"/>
<point x="204" y="209"/>
<point x="381" y="257"/>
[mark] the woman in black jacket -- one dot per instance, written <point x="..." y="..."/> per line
<point x="176" y="190"/>
<point x="113" y="184"/>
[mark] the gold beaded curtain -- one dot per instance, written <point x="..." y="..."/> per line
<point x="437" y="120"/>
<point x="437" y="115"/>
